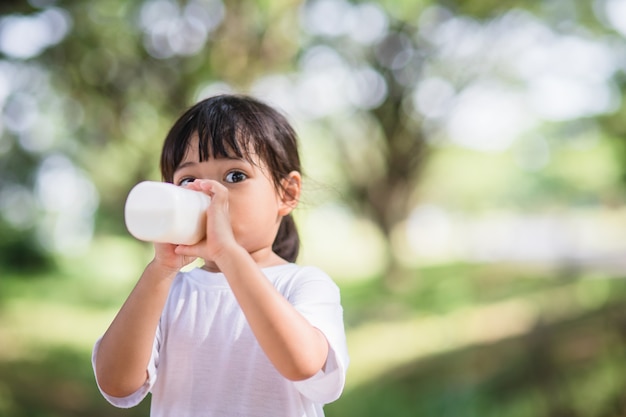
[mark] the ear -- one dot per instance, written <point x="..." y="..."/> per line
<point x="290" y="188"/>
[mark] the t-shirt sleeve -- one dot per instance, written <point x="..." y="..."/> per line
<point x="317" y="298"/>
<point x="136" y="397"/>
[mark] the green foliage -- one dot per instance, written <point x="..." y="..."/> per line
<point x="565" y="367"/>
<point x="53" y="386"/>
<point x="563" y="364"/>
<point x="103" y="97"/>
<point x="110" y="88"/>
<point x="444" y="289"/>
<point x="20" y="253"/>
<point x="571" y="368"/>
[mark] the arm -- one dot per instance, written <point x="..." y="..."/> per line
<point x="125" y="349"/>
<point x="297" y="349"/>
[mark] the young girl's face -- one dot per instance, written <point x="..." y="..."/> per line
<point x="255" y="205"/>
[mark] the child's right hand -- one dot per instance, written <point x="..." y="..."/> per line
<point x="165" y="257"/>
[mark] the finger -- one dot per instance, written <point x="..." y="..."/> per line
<point x="185" y="250"/>
<point x="194" y="185"/>
<point x="217" y="192"/>
<point x="203" y="186"/>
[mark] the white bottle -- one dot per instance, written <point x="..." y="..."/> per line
<point x="166" y="213"/>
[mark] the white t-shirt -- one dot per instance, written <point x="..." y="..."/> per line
<point x="207" y="362"/>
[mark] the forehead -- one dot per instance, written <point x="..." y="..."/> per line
<point x="194" y="154"/>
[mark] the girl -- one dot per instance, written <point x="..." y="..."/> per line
<point x="250" y="333"/>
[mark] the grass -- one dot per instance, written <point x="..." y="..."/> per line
<point x="458" y="341"/>
<point x="58" y="383"/>
<point x="443" y="289"/>
<point x="570" y="368"/>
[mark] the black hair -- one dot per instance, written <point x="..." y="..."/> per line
<point x="235" y="126"/>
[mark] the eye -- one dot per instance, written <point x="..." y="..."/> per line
<point x="186" y="181"/>
<point x="235" y="176"/>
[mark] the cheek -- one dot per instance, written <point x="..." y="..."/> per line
<point x="255" y="211"/>
<point x="254" y="216"/>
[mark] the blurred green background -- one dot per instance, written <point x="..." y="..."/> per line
<point x="465" y="169"/>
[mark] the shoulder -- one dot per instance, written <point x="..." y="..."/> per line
<point x="298" y="282"/>
<point x="294" y="273"/>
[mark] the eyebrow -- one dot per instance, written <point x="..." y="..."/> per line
<point x="192" y="163"/>
<point x="185" y="165"/>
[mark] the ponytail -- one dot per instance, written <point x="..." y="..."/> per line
<point x="287" y="242"/>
